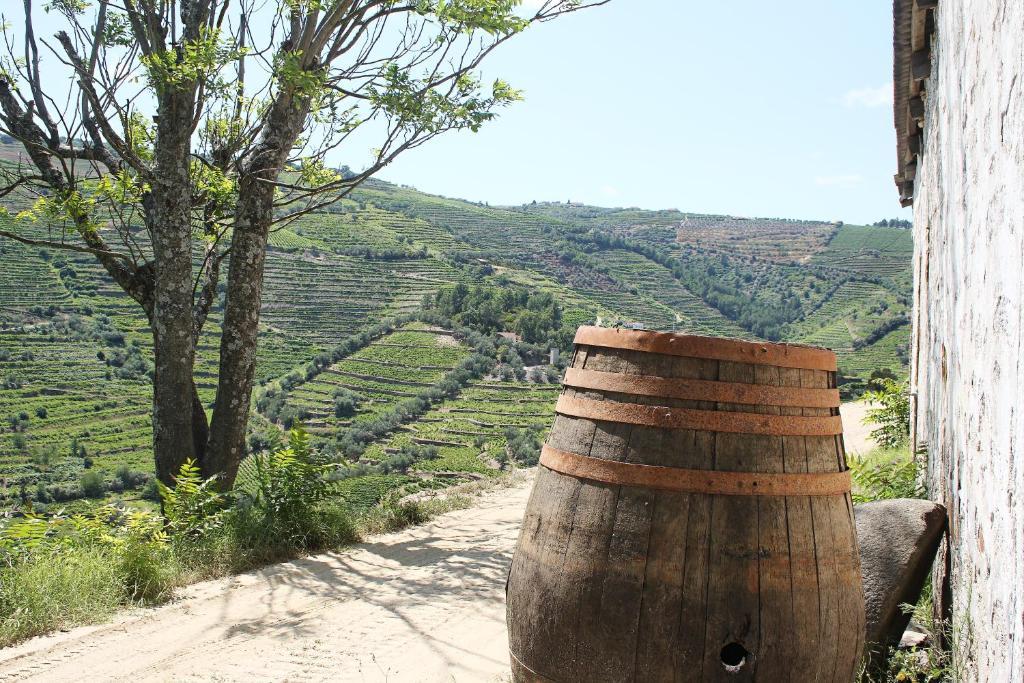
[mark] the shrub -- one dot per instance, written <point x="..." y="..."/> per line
<point x="290" y="416"/>
<point x="194" y="506"/>
<point x="392" y="514"/>
<point x="263" y="437"/>
<point x="523" y="445"/>
<point x="146" y="568"/>
<point x="124" y="475"/>
<point x="92" y="485"/>
<point x="43" y="457"/>
<point x="41" y="412"/>
<point x="408" y="456"/>
<point x="150" y="491"/>
<point x="346" y="402"/>
<point x="892" y="417"/>
<point x="875" y="382"/>
<point x="282" y="504"/>
<point x="883" y="475"/>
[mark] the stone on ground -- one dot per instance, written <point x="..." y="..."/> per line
<point x="898" y="540"/>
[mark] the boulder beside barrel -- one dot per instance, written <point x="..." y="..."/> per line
<point x="690" y="520"/>
<point x="898" y="540"/>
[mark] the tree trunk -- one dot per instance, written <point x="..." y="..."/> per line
<point x="237" y="349"/>
<point x="168" y="468"/>
<point x="254" y="214"/>
<point x="172" y="383"/>
<point x="170" y="226"/>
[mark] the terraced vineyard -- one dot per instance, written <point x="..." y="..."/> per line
<point x="470" y="431"/>
<point x="885" y="252"/>
<point x="66" y="413"/>
<point x="657" y="282"/>
<point x="774" y="240"/>
<point x="26" y="281"/>
<point x="74" y="349"/>
<point x="354" y="226"/>
<point x="396" y="366"/>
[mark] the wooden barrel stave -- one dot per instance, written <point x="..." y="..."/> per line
<point x="639" y="584"/>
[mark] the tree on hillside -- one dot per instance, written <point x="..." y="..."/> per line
<point x="190" y="129"/>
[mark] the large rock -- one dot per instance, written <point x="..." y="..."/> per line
<point x="898" y="540"/>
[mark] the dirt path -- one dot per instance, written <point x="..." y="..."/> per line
<point x="425" y="604"/>
<point x="856" y="435"/>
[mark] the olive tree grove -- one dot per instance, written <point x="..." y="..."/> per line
<point x="168" y="138"/>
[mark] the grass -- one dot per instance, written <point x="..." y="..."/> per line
<point x="57" y="592"/>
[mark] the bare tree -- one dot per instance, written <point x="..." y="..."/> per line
<point x="195" y="127"/>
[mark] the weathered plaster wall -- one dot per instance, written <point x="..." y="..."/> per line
<point x="966" y="359"/>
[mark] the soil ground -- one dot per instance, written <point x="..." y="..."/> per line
<point x="856" y="435"/>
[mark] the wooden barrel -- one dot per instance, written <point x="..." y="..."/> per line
<point x="691" y="519"/>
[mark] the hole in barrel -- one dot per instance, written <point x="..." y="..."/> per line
<point x="734" y="656"/>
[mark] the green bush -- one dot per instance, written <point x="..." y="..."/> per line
<point x="892" y="417"/>
<point x="194" y="506"/>
<point x="282" y="502"/>
<point x="523" y="445"/>
<point x="886" y="474"/>
<point x="144" y="560"/>
<point x="346" y="402"/>
<point x="92" y="484"/>
<point x="392" y="514"/>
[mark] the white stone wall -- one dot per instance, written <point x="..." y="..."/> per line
<point x="966" y="359"/>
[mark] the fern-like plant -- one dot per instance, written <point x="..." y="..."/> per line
<point x="283" y="489"/>
<point x="132" y="542"/>
<point x="896" y="478"/>
<point x="193" y="506"/>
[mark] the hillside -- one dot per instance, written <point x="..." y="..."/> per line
<point x="440" y="393"/>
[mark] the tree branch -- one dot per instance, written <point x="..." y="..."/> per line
<point x="86" y="84"/>
<point x="64" y="245"/>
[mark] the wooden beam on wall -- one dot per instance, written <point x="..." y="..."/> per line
<point x="921" y="64"/>
<point x="916" y="105"/>
<point x="910" y="170"/>
<point x="914" y="143"/>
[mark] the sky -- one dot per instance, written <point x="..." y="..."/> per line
<point x="742" y="107"/>
<point x="745" y="107"/>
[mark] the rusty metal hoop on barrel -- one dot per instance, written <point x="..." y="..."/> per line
<point x="691" y="518"/>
